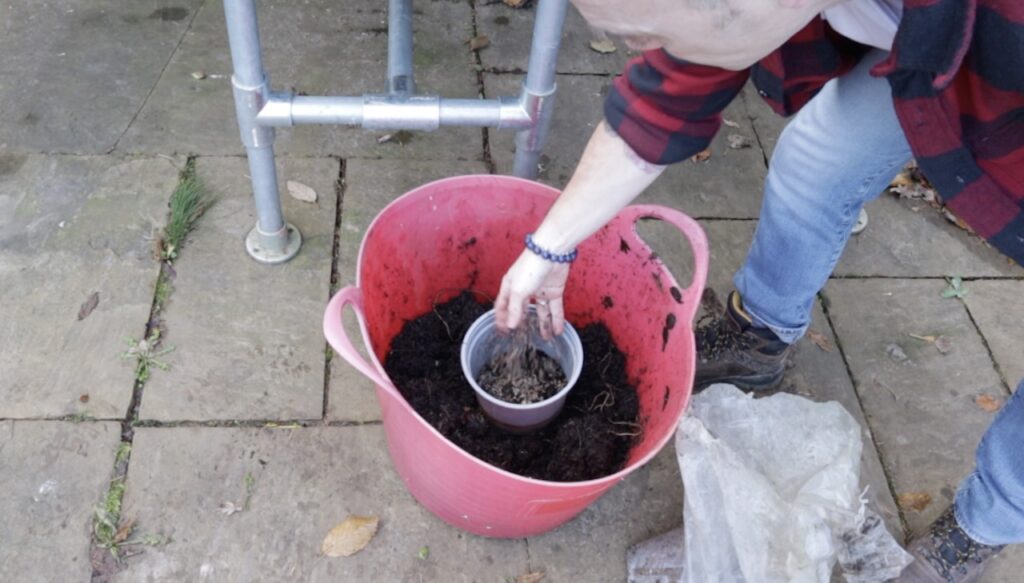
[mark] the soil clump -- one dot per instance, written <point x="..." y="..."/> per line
<point x="590" y="439"/>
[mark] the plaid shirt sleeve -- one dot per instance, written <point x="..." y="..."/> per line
<point x="668" y="109"/>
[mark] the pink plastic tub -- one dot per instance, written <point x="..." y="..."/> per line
<point x="465" y="232"/>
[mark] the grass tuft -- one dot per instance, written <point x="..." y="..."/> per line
<point x="188" y="203"/>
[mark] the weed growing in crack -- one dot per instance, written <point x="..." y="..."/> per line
<point x="188" y="203"/>
<point x="108" y="516"/>
<point x="145" y="353"/>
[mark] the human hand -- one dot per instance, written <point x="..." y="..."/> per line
<point x="532" y="276"/>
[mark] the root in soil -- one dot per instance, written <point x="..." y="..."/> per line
<point x="591" y="438"/>
<point x="522" y="376"/>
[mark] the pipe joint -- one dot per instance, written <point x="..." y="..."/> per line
<point x="249" y="100"/>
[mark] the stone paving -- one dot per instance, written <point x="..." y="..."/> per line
<point x="100" y="113"/>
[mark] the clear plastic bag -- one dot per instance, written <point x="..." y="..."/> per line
<point x="771" y="496"/>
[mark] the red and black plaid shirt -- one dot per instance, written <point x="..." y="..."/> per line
<point x="957" y="74"/>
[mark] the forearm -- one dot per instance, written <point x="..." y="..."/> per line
<point x="608" y="177"/>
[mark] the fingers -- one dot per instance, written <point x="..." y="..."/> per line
<point x="544" y="318"/>
<point x="557" y="315"/>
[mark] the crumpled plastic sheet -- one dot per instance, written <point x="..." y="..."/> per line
<point x="770" y="497"/>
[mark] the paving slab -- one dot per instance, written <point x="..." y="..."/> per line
<point x="72" y="227"/>
<point x="54" y="474"/>
<point x="247" y="337"/>
<point x="592" y="547"/>
<point x="996" y="309"/>
<point x="907" y="238"/>
<point x="767" y="123"/>
<point x="305" y="482"/>
<point x="370" y="185"/>
<point x="919" y="402"/>
<point x="76" y="72"/>
<point x="922" y="410"/>
<point x="510" y="31"/>
<point x="320" y="49"/>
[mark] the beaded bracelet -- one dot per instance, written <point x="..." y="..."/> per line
<point x="553" y="257"/>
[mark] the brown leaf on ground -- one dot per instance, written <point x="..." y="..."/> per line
<point x="516" y="3"/>
<point x="928" y="338"/>
<point x="124" y="531"/>
<point x="350" y="537"/>
<point x="989" y="403"/>
<point x="479" y="42"/>
<point x="702" y="156"/>
<point x="300" y="191"/>
<point x="532" y="577"/>
<point x="603" y="46"/>
<point x="820" y="339"/>
<point x="89" y="305"/>
<point x="916" y="501"/>
<point x="83" y="398"/>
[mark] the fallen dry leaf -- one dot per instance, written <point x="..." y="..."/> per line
<point x="531" y="577"/>
<point x="516" y="3"/>
<point x="350" y="537"/>
<point x="922" y="338"/>
<point x="89" y="305"/>
<point x="124" y="531"/>
<point x="820" y="339"/>
<point x="603" y="46"/>
<point x="83" y="398"/>
<point x="300" y="191"/>
<point x="988" y="403"/>
<point x="916" y="501"/>
<point x="479" y="42"/>
<point x="702" y="156"/>
<point x="944" y="344"/>
<point x="730" y="123"/>
<point x="738" y="142"/>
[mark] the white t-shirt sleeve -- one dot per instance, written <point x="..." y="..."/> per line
<point x="869" y="22"/>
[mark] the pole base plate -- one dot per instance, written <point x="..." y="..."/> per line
<point x="263" y="247"/>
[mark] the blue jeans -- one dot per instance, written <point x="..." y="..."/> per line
<point x="839" y="152"/>
<point x="989" y="505"/>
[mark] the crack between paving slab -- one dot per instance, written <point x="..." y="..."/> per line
<point x="827" y="309"/>
<point x="339" y="197"/>
<point x="753" y="128"/>
<point x="102" y="558"/>
<point x="991" y="356"/>
<point x="152" y="90"/>
<point x="478" y="66"/>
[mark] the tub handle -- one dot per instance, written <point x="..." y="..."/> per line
<point x="698" y="244"/>
<point x="334" y="331"/>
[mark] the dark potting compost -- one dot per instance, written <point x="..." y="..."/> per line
<point x="522" y="375"/>
<point x="591" y="438"/>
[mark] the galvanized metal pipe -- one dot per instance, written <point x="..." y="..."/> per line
<point x="271" y="240"/>
<point x="539" y="88"/>
<point x="388" y="112"/>
<point x="400" y="47"/>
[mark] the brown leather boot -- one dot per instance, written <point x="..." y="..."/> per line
<point x="730" y="349"/>
<point x="946" y="554"/>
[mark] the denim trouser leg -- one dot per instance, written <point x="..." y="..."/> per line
<point x="840" y="151"/>
<point x="990" y="503"/>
